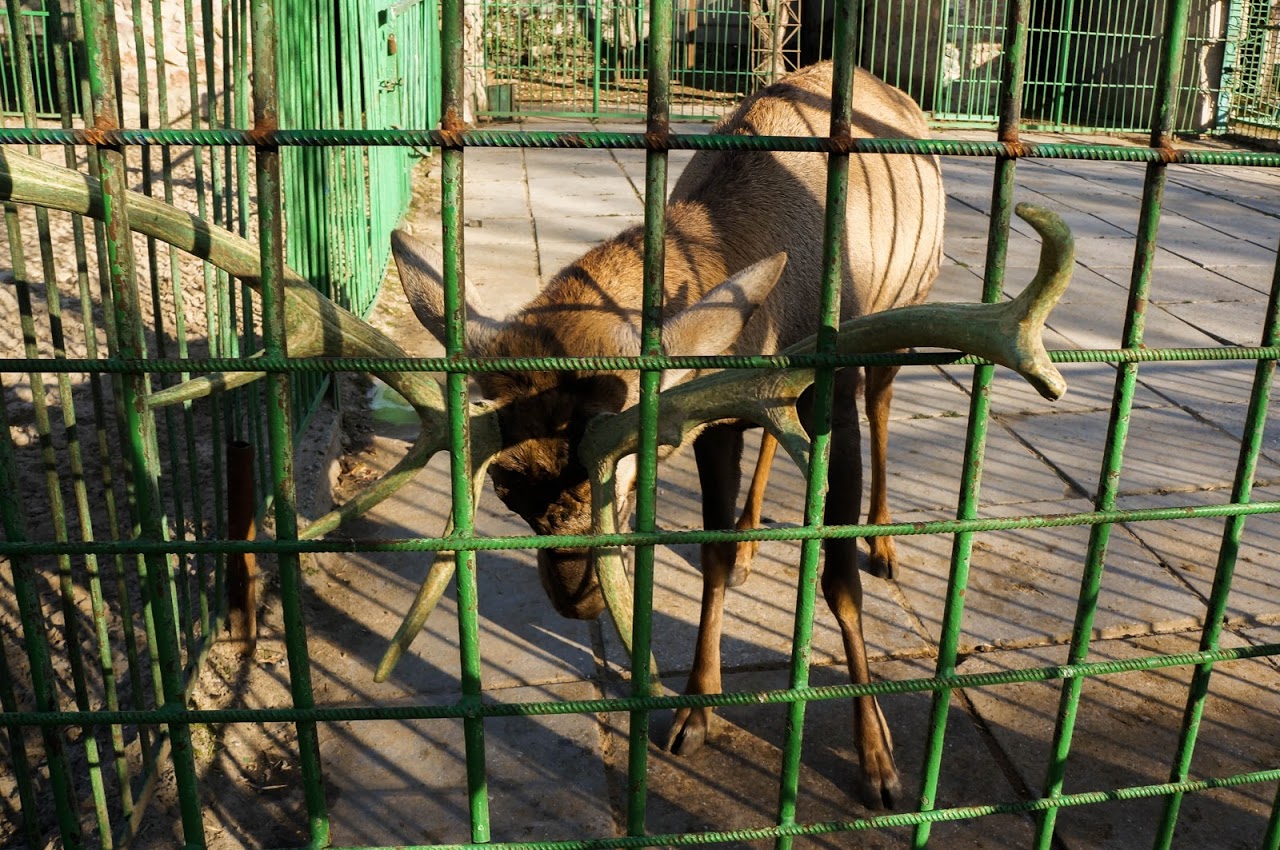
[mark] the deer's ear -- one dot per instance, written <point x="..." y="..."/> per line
<point x="712" y="325"/>
<point x="420" y="267"/>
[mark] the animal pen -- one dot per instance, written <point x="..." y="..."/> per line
<point x="143" y="465"/>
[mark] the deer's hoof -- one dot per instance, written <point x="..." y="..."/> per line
<point x="742" y="558"/>
<point x="880" y="788"/>
<point x="883" y="560"/>
<point x="689" y="730"/>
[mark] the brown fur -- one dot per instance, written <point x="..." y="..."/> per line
<point x="728" y="211"/>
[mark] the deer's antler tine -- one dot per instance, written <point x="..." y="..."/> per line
<point x="1008" y="333"/>
<point x="304" y="338"/>
<point x="610" y="571"/>
<point x="205" y="385"/>
<point x="314" y="324"/>
<point x="485" y="442"/>
<point x="1033" y="304"/>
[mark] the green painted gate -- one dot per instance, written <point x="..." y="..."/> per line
<point x="81" y="731"/>
<point x="87" y="463"/>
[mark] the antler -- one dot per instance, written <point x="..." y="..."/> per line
<point x="315" y="326"/>
<point x="1007" y="334"/>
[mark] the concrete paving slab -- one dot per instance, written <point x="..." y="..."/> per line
<point x="612" y="199"/>
<point x="404" y="782"/>
<point x="1228" y="322"/>
<point x="956" y="282"/>
<point x="1230" y="418"/>
<point x="920" y="392"/>
<point x="1126" y="734"/>
<point x="1190" y="548"/>
<point x="501" y="262"/>
<point x="571" y="165"/>
<point x="1200" y="384"/>
<point x="1255" y="278"/>
<point x="1216" y="250"/>
<point x="586" y="229"/>
<point x="1024" y="584"/>
<point x="1073" y="443"/>
<point x="732" y="782"/>
<point x="965" y="221"/>
<point x="925" y="456"/>
<point x="494" y="200"/>
<point x="971" y="252"/>
<point x="1196" y="285"/>
<point x="491" y="165"/>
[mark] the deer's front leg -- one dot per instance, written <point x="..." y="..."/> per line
<point x="718" y="452"/>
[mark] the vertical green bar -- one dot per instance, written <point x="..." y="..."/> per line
<point x="1271" y="841"/>
<point x="658" y="125"/>
<point x="1233" y="530"/>
<point x="823" y="397"/>
<point x="27" y="809"/>
<point x="1121" y="409"/>
<point x="451" y="214"/>
<point x="1230" y="56"/>
<point x="43" y="686"/>
<point x="279" y="408"/>
<point x="1011" y="95"/>
<point x="139" y="423"/>
<point x="53" y="299"/>
<point x="1065" y="32"/>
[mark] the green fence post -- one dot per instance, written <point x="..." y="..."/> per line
<point x="823" y="394"/>
<point x="1012" y="88"/>
<point x="139" y="422"/>
<point x="451" y="214"/>
<point x="280" y="406"/>
<point x="657" y="126"/>
<point x="1121" y="407"/>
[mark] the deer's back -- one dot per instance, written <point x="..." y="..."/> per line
<point x="742" y="206"/>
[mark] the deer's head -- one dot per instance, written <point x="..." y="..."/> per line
<point x="542" y="416"/>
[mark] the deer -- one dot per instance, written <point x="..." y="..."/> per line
<point x="742" y="275"/>
<point x="727" y="318"/>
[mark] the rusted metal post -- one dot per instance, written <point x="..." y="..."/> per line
<point x="242" y="567"/>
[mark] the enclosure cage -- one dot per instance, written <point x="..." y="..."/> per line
<point x="159" y="369"/>
<point x="1090" y="64"/>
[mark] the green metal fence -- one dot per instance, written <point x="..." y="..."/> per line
<point x="77" y="727"/>
<point x="1090" y="64"/>
<point x="1250" y="104"/>
<point x="98" y="455"/>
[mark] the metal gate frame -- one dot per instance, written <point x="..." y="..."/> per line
<point x="340" y="203"/>
<point x="134" y="365"/>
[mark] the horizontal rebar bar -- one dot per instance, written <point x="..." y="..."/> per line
<point x="632" y="141"/>
<point x="314" y="365"/>
<point x="552" y="541"/>
<point x="471" y="707"/>
<point x="1133" y="792"/>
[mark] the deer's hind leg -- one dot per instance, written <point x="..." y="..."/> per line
<point x="879" y="785"/>
<point x="883" y="561"/>
<point x="746" y="550"/>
